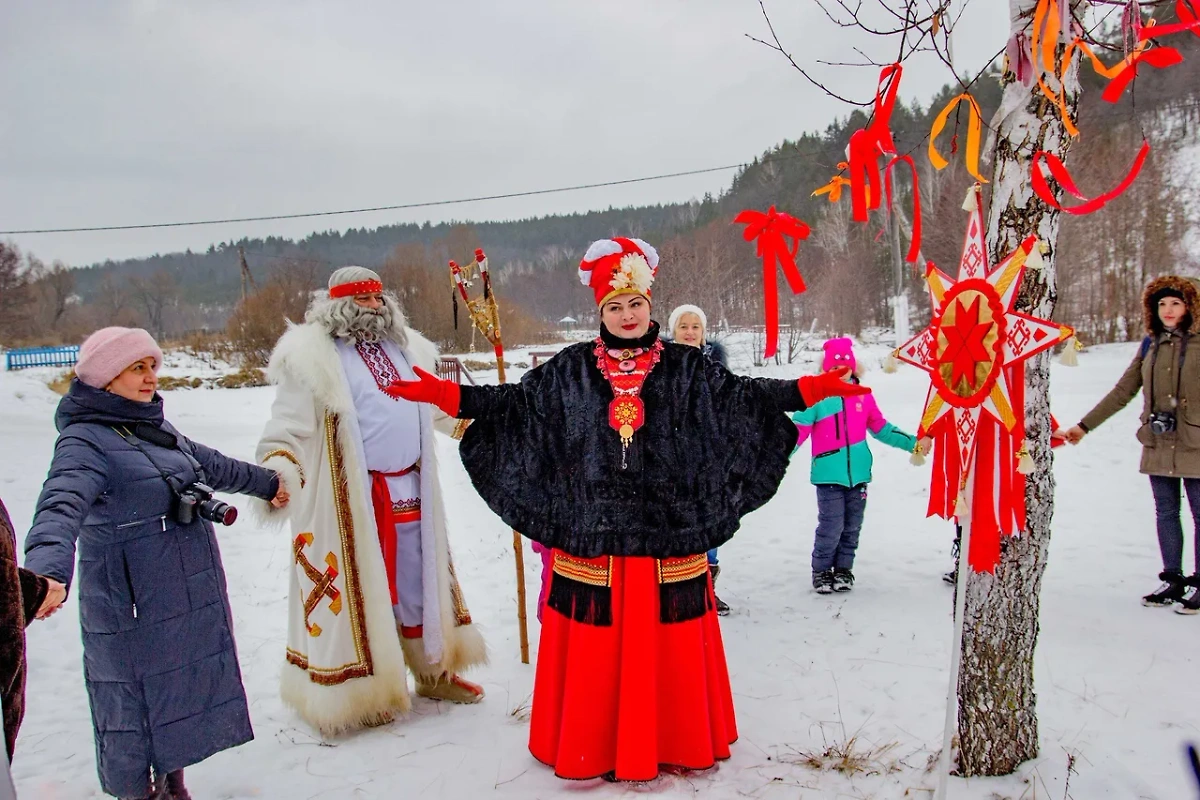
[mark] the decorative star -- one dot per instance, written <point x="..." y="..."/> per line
<point x="974" y="350"/>
<point x="965" y="349"/>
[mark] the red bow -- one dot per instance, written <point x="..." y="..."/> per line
<point x="1055" y="165"/>
<point x="771" y="230"/>
<point x="868" y="144"/>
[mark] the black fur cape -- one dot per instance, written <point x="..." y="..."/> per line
<point x="714" y="447"/>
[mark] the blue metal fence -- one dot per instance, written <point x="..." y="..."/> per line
<point x="41" y="357"/>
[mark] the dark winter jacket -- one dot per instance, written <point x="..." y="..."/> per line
<point x="1168" y="361"/>
<point x="21" y="594"/>
<point x="159" y="658"/>
<point x="712" y="349"/>
<point x="714" y="447"/>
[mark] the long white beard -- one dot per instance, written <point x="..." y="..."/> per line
<point x="345" y="319"/>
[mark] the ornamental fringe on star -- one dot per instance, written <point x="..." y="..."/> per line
<point x="974" y="351"/>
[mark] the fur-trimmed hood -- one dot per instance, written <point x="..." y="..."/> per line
<point x="1191" y="296"/>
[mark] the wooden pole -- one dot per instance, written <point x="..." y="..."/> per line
<point x="522" y="622"/>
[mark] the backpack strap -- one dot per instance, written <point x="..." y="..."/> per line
<point x="1146" y="342"/>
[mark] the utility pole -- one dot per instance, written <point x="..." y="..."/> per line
<point x="247" y="279"/>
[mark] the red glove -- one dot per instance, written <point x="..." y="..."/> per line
<point x="428" y="389"/>
<point x="815" y="388"/>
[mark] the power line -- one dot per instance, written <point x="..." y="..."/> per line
<point x="397" y="207"/>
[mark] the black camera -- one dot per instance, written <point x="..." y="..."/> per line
<point x="198" y="499"/>
<point x="1162" y="422"/>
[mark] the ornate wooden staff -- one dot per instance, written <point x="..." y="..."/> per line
<point x="485" y="314"/>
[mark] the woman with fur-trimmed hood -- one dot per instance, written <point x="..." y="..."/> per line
<point x="1166" y="371"/>
<point x="372" y="588"/>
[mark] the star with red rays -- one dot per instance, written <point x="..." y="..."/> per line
<point x="965" y="347"/>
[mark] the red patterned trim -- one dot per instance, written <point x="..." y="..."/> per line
<point x="357" y="287"/>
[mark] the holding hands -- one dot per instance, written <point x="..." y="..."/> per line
<point x="55" y="595"/>
<point x="1075" y="434"/>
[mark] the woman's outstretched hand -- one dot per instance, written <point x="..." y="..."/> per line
<point x="427" y="389"/>
<point x="815" y="388"/>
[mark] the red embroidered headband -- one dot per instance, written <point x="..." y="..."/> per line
<point x="357" y="287"/>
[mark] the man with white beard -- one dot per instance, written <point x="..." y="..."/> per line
<point x="372" y="586"/>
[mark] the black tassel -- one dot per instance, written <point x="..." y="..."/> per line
<point x="684" y="600"/>
<point x="582" y="602"/>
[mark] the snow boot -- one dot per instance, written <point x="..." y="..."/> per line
<point x="1190" y="602"/>
<point x="722" y="607"/>
<point x="175" y="788"/>
<point x="843" y="580"/>
<point x="951" y="577"/>
<point x="1171" y="590"/>
<point x="449" y="687"/>
<point x="823" y="581"/>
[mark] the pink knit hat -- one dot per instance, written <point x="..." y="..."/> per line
<point x="107" y="352"/>
<point x="839" y="353"/>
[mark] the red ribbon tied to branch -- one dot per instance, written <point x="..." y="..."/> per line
<point x="1189" y="20"/>
<point x="771" y="230"/>
<point x="867" y="145"/>
<point x="1055" y="166"/>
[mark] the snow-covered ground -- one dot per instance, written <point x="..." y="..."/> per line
<point x="1116" y="682"/>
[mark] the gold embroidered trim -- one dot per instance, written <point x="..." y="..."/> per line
<point x="401" y="506"/>
<point x="675" y="570"/>
<point x="290" y="456"/>
<point x="460" y="428"/>
<point x="363" y="666"/>
<point x="588" y="571"/>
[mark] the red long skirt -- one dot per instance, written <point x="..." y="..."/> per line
<point x="631" y="697"/>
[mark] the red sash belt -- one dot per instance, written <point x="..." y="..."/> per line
<point x="386" y="520"/>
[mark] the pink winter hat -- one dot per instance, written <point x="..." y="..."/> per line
<point x="839" y="353"/>
<point x="107" y="352"/>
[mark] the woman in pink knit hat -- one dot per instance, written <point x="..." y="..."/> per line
<point x="135" y="498"/>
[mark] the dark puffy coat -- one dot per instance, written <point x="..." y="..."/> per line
<point x="714" y="447"/>
<point x="21" y="594"/>
<point x="159" y="658"/>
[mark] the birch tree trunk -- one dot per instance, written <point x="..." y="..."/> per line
<point x="997" y="713"/>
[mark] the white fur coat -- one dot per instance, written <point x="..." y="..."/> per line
<point x="344" y="666"/>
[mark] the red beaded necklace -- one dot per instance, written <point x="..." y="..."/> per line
<point x="626" y="412"/>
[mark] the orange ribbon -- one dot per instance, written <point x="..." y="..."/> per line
<point x="771" y="231"/>
<point x="974" y="135"/>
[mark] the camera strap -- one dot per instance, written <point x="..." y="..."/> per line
<point x="1183" y="343"/>
<point x="171" y="480"/>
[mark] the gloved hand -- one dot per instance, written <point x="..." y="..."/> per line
<point x="815" y="388"/>
<point x="428" y="389"/>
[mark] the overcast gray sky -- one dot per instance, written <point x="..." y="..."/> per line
<point x="129" y="112"/>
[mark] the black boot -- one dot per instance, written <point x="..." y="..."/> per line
<point x="1190" y="602"/>
<point x="843" y="579"/>
<point x="1171" y="590"/>
<point x="823" y="581"/>
<point x="722" y="607"/>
